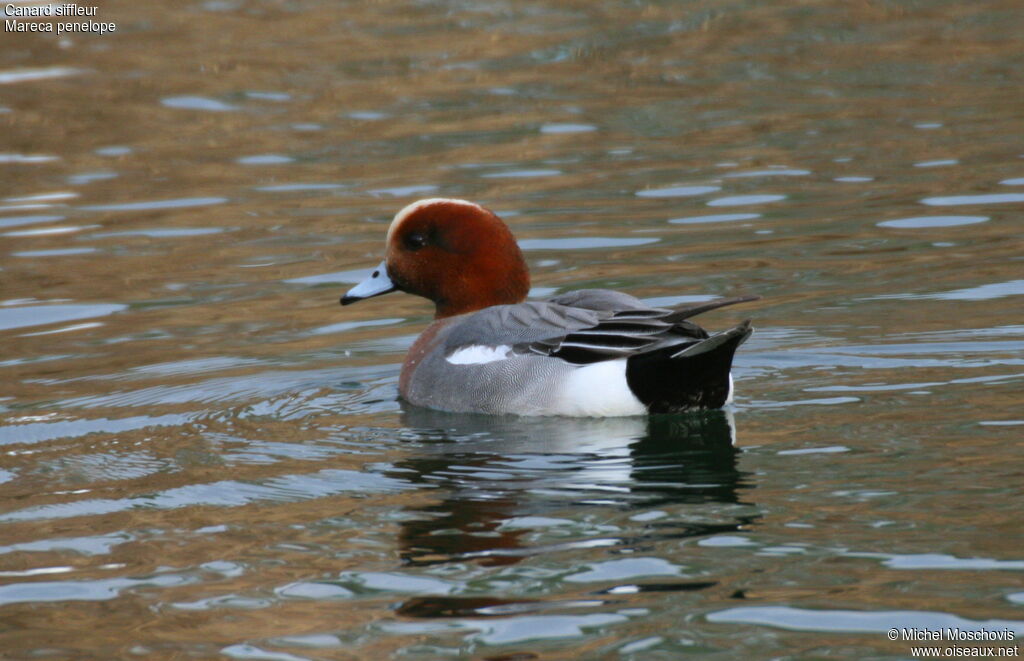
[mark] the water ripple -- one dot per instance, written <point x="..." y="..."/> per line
<point x="584" y="243"/>
<point x="851" y="621"/>
<point x="13" y="221"/>
<point x="989" y="198"/>
<point x="37" y="432"/>
<point x="739" y="200"/>
<point x="715" y="218"/>
<point x="84" y="590"/>
<point x="920" y="222"/>
<point x="226" y="493"/>
<point x="197" y="103"/>
<point x="11" y="76"/>
<point x="40" y="315"/>
<point x="979" y="293"/>
<point x="781" y="172"/>
<point x="678" y="191"/>
<point x="154" y="205"/>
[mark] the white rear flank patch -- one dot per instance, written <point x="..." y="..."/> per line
<point x="728" y="398"/>
<point x="598" y="389"/>
<point x="478" y="354"/>
<point x="409" y="209"/>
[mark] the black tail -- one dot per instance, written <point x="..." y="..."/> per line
<point x="697" y="377"/>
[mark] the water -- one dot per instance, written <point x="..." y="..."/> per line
<point x="203" y="455"/>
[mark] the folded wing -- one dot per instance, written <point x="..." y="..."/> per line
<point x="586" y="326"/>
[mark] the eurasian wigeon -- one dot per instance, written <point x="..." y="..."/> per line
<point x="591" y="352"/>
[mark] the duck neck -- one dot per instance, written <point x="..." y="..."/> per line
<point x="474" y="294"/>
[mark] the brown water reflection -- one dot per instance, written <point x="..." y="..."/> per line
<point x="203" y="455"/>
<point x="524" y="472"/>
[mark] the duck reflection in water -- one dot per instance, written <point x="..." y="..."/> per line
<point x="497" y="474"/>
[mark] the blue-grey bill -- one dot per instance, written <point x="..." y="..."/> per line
<point x="375" y="284"/>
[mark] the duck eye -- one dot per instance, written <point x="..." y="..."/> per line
<point x="415" y="241"/>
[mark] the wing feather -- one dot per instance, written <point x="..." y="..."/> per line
<point x="579" y="328"/>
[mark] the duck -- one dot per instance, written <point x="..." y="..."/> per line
<point x="584" y="353"/>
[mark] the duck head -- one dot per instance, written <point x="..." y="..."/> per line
<point x="456" y="253"/>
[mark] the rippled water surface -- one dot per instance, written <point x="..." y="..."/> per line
<point x="203" y="455"/>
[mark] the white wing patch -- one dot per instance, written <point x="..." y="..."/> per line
<point x="478" y="354"/>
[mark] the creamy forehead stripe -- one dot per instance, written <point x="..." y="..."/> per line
<point x="408" y="210"/>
